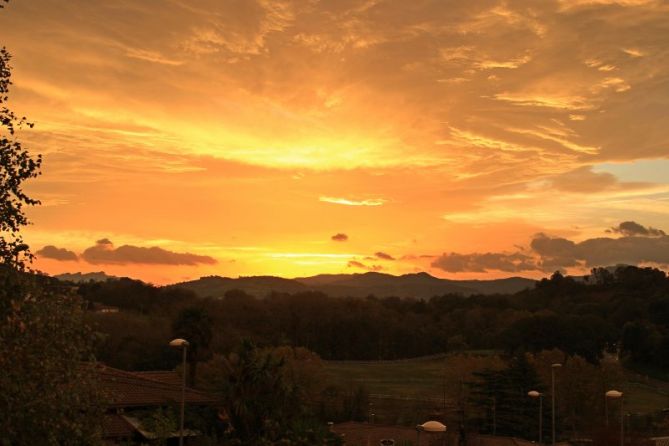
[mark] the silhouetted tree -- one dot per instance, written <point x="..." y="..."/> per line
<point x="16" y="166"/>
<point x="639" y="341"/>
<point x="47" y="393"/>
<point x="263" y="399"/>
<point x="194" y="325"/>
<point x="502" y="400"/>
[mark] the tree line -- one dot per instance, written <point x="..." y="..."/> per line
<point x="624" y="311"/>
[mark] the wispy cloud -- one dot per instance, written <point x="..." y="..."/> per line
<point x="548" y="100"/>
<point x="353" y="202"/>
<point x="151" y="56"/>
<point x="481" y="112"/>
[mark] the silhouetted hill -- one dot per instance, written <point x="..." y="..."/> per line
<point x="509" y="285"/>
<point x="99" y="276"/>
<point x="260" y="286"/>
<point x="420" y="285"/>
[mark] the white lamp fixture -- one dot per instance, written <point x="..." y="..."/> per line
<point x="179" y="343"/>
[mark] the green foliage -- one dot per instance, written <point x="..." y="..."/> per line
<point x="135" y="295"/>
<point x="259" y="401"/>
<point x="48" y="394"/>
<point x="265" y="402"/>
<point x="501" y="398"/>
<point x="356" y="404"/>
<point x="640" y="341"/>
<point x="194" y="325"/>
<point x="133" y="341"/>
<point x="585" y="336"/>
<point x="583" y="318"/>
<point x="162" y="422"/>
<point x="16" y="166"/>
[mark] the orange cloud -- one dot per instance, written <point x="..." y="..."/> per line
<point x="349" y="202"/>
<point x="104" y="252"/>
<point x="211" y="128"/>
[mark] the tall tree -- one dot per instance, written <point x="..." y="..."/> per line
<point x="502" y="400"/>
<point x="47" y="391"/>
<point x="194" y="325"/>
<point x="265" y="397"/>
<point x="16" y="166"/>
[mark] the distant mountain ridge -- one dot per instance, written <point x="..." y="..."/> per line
<point x="99" y="276"/>
<point x="417" y="285"/>
<point x="259" y="286"/>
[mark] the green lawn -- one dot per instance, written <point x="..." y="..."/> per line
<point x="423" y="378"/>
<point x="409" y="378"/>
<point x="645" y="394"/>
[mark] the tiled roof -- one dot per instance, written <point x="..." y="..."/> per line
<point x="130" y="389"/>
<point x="137" y="425"/>
<point x="116" y="426"/>
<point x="164" y="376"/>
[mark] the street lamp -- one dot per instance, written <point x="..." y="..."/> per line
<point x="553" y="367"/>
<point x="535" y="394"/>
<point x="183" y="345"/>
<point x="615" y="394"/>
<point x="431" y="427"/>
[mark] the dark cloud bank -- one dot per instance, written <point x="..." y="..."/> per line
<point x="383" y="256"/>
<point x="62" y="254"/>
<point x="637" y="244"/>
<point x="360" y="265"/>
<point x="104" y="253"/>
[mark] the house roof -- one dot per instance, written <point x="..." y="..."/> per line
<point x="137" y="389"/>
<point x="164" y="376"/>
<point x="116" y="426"/>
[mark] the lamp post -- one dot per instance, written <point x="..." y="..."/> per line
<point x="183" y="345"/>
<point x="535" y="394"/>
<point x="615" y="394"/>
<point x="553" y="367"/>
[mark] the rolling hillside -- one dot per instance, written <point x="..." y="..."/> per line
<point x="420" y="285"/>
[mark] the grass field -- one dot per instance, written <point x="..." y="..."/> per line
<point x="424" y="378"/>
<point x="409" y="378"/>
<point x="644" y="395"/>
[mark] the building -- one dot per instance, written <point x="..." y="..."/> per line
<point x="130" y="396"/>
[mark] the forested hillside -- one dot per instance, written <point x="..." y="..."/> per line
<point x="625" y="310"/>
<point x="416" y="285"/>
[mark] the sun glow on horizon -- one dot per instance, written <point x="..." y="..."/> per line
<point x="295" y="139"/>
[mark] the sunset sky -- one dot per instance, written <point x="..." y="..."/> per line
<point x="468" y="139"/>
